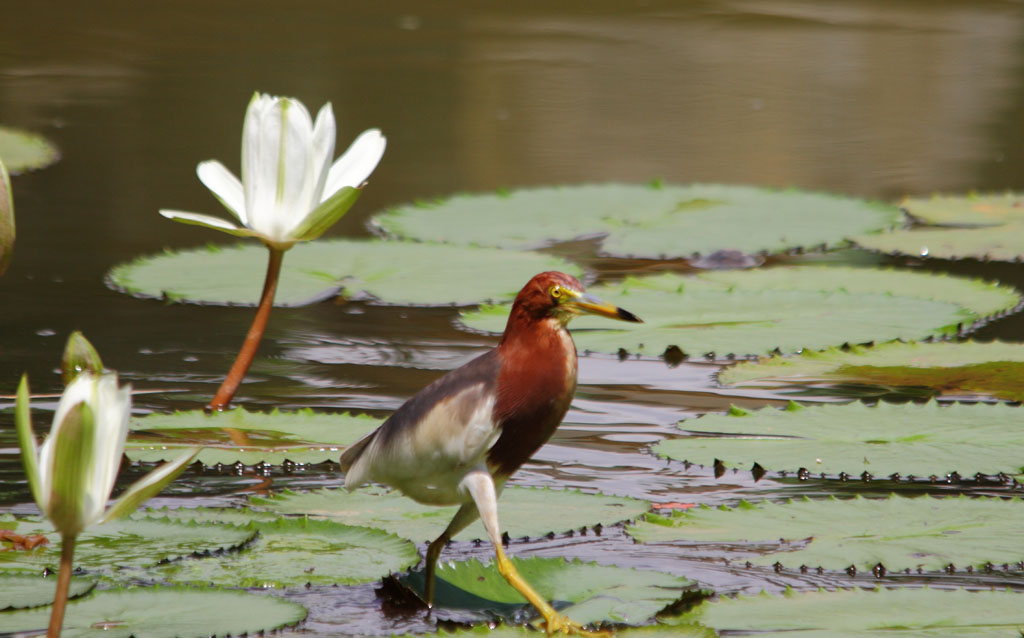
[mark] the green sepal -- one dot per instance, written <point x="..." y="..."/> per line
<point x="79" y="356"/>
<point x="73" y="456"/>
<point x="27" y="439"/>
<point x="148" y="486"/>
<point x="6" y="219"/>
<point x="326" y="214"/>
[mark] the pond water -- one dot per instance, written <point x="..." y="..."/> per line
<point x="867" y="98"/>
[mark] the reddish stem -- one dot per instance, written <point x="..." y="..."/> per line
<point x="227" y="390"/>
<point x="60" y="599"/>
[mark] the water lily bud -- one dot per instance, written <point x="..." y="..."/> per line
<point x="6" y="219"/>
<point x="79" y="356"/>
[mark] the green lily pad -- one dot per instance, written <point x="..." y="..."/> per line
<point x="519" y="631"/>
<point x="250" y="438"/>
<point x="295" y="551"/>
<point x="648" y="221"/>
<point x="972" y="209"/>
<point x="403" y="273"/>
<point x="238" y="516"/>
<point x="586" y="592"/>
<point x="994" y="368"/>
<point x="518" y="510"/>
<point x="163" y="612"/>
<point x="25" y="151"/>
<point x="907" y="439"/>
<point x="18" y="591"/>
<point x="989" y="226"/>
<point x="789" y="309"/>
<point x="900" y="533"/>
<point x="139" y="543"/>
<point x="858" y="613"/>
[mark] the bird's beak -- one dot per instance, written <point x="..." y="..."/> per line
<point x="590" y="304"/>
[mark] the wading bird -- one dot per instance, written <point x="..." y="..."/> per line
<point x="458" y="440"/>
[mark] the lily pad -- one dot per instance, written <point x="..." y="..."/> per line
<point x="982" y="226"/>
<point x="246" y="437"/>
<point x="140" y="543"/>
<point x="648" y="221"/>
<point x="994" y="368"/>
<point x="163" y="612"/>
<point x="402" y="273"/>
<point x="897" y="532"/>
<point x="586" y="592"/>
<point x="238" y="516"/>
<point x="25" y="151"/>
<point x="519" y="631"/>
<point x="790" y="309"/>
<point x="859" y="613"/>
<point x="18" y="591"/>
<point x="295" y="551"/>
<point x="518" y="511"/>
<point x="922" y="440"/>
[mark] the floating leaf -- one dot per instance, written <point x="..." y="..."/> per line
<point x="651" y="221"/>
<point x="586" y="592"/>
<point x="295" y="551"/>
<point x="518" y="510"/>
<point x="139" y="543"/>
<point x="790" y="309"/>
<point x="518" y="631"/>
<point x="221" y="515"/>
<point x="247" y="437"/>
<point x="404" y="273"/>
<point x="900" y="533"/>
<point x="905" y="439"/>
<point x="994" y="368"/>
<point x="859" y="613"/>
<point x="18" y="591"/>
<point x="25" y="151"/>
<point x="980" y="226"/>
<point x="163" y="612"/>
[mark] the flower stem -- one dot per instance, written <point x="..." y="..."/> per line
<point x="60" y="599"/>
<point x="227" y="390"/>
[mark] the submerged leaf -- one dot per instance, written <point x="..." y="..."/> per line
<point x="859" y="613"/>
<point x="237" y="435"/>
<point x="790" y="308"/>
<point x="163" y="612"/>
<point x="649" y="221"/>
<point x="521" y="511"/>
<point x="586" y="592"/>
<point x="25" y="151"/>
<point x="898" y="532"/>
<point x="994" y="368"/>
<point x="389" y="272"/>
<point x="291" y="552"/>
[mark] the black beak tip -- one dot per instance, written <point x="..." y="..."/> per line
<point x="626" y="315"/>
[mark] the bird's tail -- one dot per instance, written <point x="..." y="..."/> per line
<point x="350" y="465"/>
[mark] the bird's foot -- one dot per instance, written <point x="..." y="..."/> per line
<point x="556" y="624"/>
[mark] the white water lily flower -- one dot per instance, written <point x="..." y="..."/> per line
<point x="289" y="191"/>
<point x="72" y="474"/>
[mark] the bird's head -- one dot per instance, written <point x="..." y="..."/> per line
<point x="556" y="294"/>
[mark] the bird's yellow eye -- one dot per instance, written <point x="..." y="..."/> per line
<point x="556" y="292"/>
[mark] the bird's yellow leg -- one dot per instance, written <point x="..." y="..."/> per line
<point x="554" y="622"/>
<point x="466" y="515"/>
<point x="480" y="486"/>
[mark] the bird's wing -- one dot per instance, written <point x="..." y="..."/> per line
<point x="443" y="430"/>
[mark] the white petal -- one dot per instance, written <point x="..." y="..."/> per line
<point x="356" y="164"/>
<point x="112" y="407"/>
<point x="298" y="171"/>
<point x="205" y="220"/>
<point x="224" y="185"/>
<point x="324" y="134"/>
<point x="261" y="135"/>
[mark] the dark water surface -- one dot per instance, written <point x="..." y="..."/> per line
<point x="868" y="98"/>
